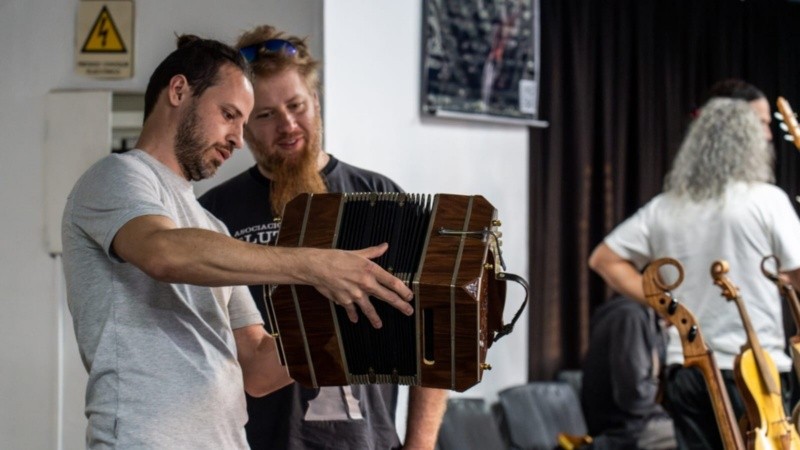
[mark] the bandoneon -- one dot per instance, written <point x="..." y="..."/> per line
<point x="444" y="247"/>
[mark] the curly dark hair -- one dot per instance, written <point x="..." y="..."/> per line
<point x="734" y="88"/>
<point x="199" y="60"/>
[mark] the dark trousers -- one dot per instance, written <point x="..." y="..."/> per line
<point x="686" y="398"/>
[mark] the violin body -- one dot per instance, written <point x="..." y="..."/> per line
<point x="768" y="426"/>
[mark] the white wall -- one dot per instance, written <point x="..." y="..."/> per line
<point x="372" y="119"/>
<point x="36" y="56"/>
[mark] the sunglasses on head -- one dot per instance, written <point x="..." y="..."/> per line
<point x="250" y="53"/>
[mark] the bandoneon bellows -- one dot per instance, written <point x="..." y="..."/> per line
<point x="443" y="246"/>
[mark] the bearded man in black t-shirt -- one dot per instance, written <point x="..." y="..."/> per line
<point x="284" y="134"/>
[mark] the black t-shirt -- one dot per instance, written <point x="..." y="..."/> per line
<point x="277" y="420"/>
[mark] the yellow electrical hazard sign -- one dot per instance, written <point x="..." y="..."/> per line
<point x="104" y="37"/>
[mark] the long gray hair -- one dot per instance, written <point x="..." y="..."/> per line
<point x="725" y="143"/>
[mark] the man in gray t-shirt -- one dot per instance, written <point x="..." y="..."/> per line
<point x="141" y="339"/>
<point x="169" y="346"/>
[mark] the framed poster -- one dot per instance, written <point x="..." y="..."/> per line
<point x="480" y="60"/>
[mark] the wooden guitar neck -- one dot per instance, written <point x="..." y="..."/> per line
<point x="790" y="120"/>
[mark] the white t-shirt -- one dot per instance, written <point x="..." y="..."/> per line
<point x="161" y="357"/>
<point x="749" y="222"/>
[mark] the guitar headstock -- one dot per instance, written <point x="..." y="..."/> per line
<point x="788" y="122"/>
<point x="718" y="270"/>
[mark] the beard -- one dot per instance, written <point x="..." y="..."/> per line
<point x="190" y="148"/>
<point x="294" y="176"/>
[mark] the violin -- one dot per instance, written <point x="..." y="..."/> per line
<point x="695" y="351"/>
<point x="757" y="379"/>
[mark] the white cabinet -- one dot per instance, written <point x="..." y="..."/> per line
<point x="80" y="128"/>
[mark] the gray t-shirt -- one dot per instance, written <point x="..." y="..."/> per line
<point x="161" y="357"/>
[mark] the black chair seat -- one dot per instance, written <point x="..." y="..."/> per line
<point x="469" y="425"/>
<point x="535" y="413"/>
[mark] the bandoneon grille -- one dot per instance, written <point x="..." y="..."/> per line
<point x="442" y="246"/>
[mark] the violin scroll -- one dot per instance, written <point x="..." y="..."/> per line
<point x="658" y="280"/>
<point x="772" y="276"/>
<point x="718" y="270"/>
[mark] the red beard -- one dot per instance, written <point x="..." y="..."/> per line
<point x="293" y="177"/>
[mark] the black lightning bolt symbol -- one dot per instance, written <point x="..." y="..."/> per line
<point x="103" y="31"/>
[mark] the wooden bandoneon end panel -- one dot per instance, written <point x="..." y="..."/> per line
<point x="443" y="247"/>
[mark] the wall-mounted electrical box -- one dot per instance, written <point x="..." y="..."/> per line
<point x="80" y="128"/>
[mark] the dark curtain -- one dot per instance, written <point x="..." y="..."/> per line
<point x="619" y="79"/>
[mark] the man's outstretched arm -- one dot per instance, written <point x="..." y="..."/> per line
<point x="167" y="253"/>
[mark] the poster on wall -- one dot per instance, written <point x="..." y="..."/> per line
<point x="480" y="60"/>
